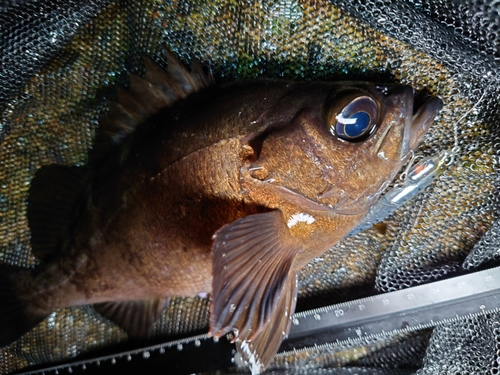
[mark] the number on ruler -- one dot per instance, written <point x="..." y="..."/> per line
<point x="339" y="312"/>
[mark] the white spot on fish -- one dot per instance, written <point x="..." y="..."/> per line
<point x="300" y="218"/>
<point x="203" y="295"/>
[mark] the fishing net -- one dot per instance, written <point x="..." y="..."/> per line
<point x="62" y="60"/>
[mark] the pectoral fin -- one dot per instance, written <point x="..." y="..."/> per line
<point x="259" y="352"/>
<point x="251" y="268"/>
<point x="135" y="317"/>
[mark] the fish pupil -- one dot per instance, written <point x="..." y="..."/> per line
<point x="356" y="121"/>
<point x="359" y="126"/>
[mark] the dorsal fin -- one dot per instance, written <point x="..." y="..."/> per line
<point x="146" y="96"/>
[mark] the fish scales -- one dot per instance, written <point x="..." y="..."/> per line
<point x="195" y="188"/>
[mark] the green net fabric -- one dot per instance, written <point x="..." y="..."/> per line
<point x="62" y="60"/>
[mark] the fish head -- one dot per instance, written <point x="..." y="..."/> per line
<point x="341" y="144"/>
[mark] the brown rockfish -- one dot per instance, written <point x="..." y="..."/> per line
<point x="227" y="189"/>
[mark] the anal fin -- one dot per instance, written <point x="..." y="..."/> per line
<point x="260" y="351"/>
<point x="135" y="317"/>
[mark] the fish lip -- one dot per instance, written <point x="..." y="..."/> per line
<point x="422" y="120"/>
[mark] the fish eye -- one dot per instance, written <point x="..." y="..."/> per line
<point x="357" y="120"/>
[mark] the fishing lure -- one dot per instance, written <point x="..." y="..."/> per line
<point x="416" y="178"/>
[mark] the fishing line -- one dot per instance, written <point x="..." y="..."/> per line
<point x="456" y="147"/>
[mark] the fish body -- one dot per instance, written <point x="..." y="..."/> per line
<point x="227" y="189"/>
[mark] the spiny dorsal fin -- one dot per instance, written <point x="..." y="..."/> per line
<point x="53" y="199"/>
<point x="146" y="96"/>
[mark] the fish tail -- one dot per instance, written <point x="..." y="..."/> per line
<point x="16" y="316"/>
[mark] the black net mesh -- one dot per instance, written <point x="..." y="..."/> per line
<point x="61" y="62"/>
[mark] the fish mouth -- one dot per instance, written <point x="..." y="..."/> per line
<point x="418" y="110"/>
<point x="421" y="109"/>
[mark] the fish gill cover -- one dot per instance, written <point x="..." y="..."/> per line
<point x="62" y="60"/>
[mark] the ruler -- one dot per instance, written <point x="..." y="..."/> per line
<point x="380" y="316"/>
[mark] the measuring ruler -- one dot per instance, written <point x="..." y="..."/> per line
<point x="403" y="311"/>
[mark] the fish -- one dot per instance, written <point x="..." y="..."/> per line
<point x="195" y="187"/>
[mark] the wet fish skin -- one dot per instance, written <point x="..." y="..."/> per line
<point x="229" y="191"/>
